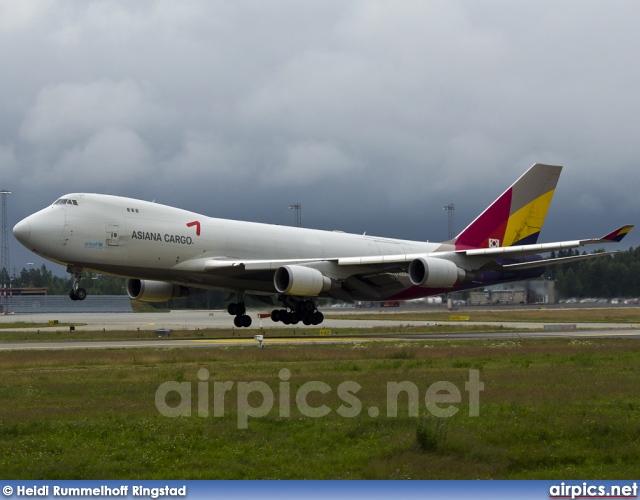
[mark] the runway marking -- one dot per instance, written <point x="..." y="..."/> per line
<point x="179" y="343"/>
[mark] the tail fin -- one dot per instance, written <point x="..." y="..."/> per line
<point x="516" y="217"/>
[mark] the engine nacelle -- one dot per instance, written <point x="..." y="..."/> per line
<point x="431" y="272"/>
<point x="300" y="280"/>
<point x="155" y="291"/>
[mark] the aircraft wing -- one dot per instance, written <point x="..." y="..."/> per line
<point x="504" y="252"/>
<point x="374" y="281"/>
<point x="224" y="265"/>
<point x="379" y="276"/>
<point x="551" y="262"/>
<point x="614" y="236"/>
<point x="518" y="250"/>
<point x="215" y="265"/>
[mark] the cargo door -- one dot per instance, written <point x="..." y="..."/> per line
<point x="113" y="235"/>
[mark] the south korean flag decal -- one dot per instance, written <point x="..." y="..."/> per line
<point x="494" y="243"/>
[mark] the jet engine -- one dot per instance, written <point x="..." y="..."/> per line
<point x="435" y="273"/>
<point x="156" y="291"/>
<point x="300" y="280"/>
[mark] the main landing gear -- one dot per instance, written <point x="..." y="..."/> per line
<point x="238" y="309"/>
<point x="294" y="312"/>
<point x="76" y="292"/>
<point x="304" y="311"/>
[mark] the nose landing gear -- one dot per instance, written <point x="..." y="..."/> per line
<point x="76" y="292"/>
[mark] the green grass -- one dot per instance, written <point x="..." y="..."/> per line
<point x="31" y="326"/>
<point x="58" y="335"/>
<point x="541" y="315"/>
<point x="549" y="409"/>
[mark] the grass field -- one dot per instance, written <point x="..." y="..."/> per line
<point x="549" y="409"/>
<point x="44" y="335"/>
<point x="541" y="315"/>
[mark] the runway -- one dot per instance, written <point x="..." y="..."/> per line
<point x="218" y="319"/>
<point x="194" y="320"/>
<point x="180" y="320"/>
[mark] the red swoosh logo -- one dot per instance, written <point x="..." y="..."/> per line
<point x="197" y="224"/>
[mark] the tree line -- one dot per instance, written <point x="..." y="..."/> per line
<point x="33" y="277"/>
<point x="100" y="284"/>
<point x="604" y="277"/>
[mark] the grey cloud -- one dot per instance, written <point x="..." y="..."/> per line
<point x="371" y="114"/>
<point x="69" y="112"/>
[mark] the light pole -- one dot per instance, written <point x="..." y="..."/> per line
<point x="451" y="209"/>
<point x="5" y="240"/>
<point x="298" y="215"/>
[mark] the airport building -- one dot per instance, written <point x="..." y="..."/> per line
<point x="518" y="292"/>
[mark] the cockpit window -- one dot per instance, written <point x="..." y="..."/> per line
<point x="65" y="201"/>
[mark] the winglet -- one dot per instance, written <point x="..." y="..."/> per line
<point x="618" y="234"/>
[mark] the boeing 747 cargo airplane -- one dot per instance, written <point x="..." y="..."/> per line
<point x="166" y="252"/>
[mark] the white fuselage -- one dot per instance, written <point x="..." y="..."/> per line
<point x="145" y="240"/>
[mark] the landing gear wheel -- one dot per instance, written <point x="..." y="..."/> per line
<point x="79" y="294"/>
<point x="76" y="293"/>
<point x="317" y="318"/>
<point x="296" y="311"/>
<point x="242" y="321"/>
<point x="307" y="306"/>
<point x="236" y="309"/>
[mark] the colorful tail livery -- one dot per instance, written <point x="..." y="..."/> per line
<point x="618" y="234"/>
<point x="516" y="217"/>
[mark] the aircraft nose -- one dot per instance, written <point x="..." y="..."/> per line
<point x="22" y="232"/>
<point x="41" y="232"/>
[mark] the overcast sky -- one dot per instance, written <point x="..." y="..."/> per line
<point x="372" y="114"/>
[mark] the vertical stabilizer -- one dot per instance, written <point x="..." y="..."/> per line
<point x="517" y="216"/>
